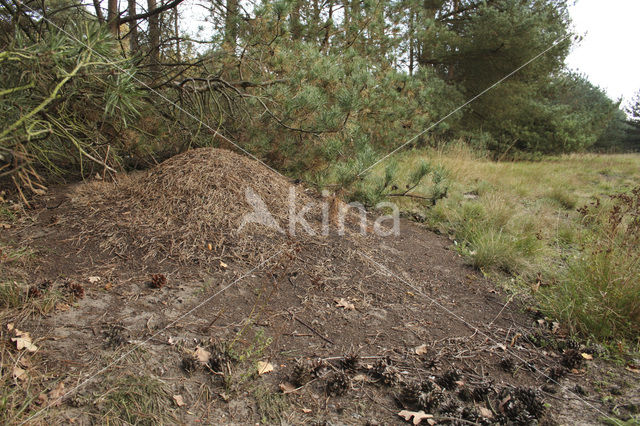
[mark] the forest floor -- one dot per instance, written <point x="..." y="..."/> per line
<point x="119" y="307"/>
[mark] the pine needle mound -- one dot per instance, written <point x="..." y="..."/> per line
<point x="189" y="208"/>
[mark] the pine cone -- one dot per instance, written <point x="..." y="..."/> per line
<point x="158" y="280"/>
<point x="338" y="384"/>
<point x="76" y="289"/>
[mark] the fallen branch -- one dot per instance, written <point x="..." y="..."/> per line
<point x="310" y="328"/>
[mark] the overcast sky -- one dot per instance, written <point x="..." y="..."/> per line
<point x="610" y="52"/>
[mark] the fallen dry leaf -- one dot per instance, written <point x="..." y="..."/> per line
<point x="43" y="399"/>
<point x="19" y="373"/>
<point x="210" y="246"/>
<point x="94" y="280"/>
<point x="4" y="226"/>
<point x="360" y="378"/>
<point x="342" y="303"/>
<point x="587" y="356"/>
<point x="287" y="387"/>
<point x="23" y="341"/>
<point x="62" y="307"/>
<point x="418" y="416"/>
<point x="10" y="326"/>
<point x="421" y="350"/>
<point x="223" y="265"/>
<point x="515" y="339"/>
<point x="633" y="368"/>
<point x="264" y="367"/>
<point x="108" y="286"/>
<point x="306" y="410"/>
<point x="504" y="402"/>
<point x="202" y="355"/>
<point x="179" y="401"/>
<point x="57" y="393"/>
<point x="485" y="412"/>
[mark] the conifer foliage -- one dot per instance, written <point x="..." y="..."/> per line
<point x="313" y="88"/>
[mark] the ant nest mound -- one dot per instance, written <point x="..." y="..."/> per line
<point x="190" y="208"/>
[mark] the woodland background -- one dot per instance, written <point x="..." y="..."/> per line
<point x="319" y="89"/>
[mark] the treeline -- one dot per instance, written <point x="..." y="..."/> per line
<point x="316" y="88"/>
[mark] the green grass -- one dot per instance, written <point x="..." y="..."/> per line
<point x="520" y="219"/>
<point x="634" y="421"/>
<point x="271" y="404"/>
<point x="563" y="198"/>
<point x="12" y="295"/>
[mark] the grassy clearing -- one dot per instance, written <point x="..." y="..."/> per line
<point x="519" y="222"/>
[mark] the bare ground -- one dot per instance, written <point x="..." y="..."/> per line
<point x="355" y="328"/>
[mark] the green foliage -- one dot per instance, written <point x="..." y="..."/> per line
<point x="423" y="169"/>
<point x="569" y="114"/>
<point x="338" y="112"/>
<point x="311" y="91"/>
<point x="63" y="103"/>
<point x="618" y="136"/>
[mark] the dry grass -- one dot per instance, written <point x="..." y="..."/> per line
<point x="521" y="218"/>
<point x="188" y="208"/>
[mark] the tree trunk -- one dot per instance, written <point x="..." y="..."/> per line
<point x="328" y="28"/>
<point x="355" y="17"/>
<point x="99" y="15"/>
<point x="133" y="29"/>
<point x="296" y="25"/>
<point x="112" y="16"/>
<point x="411" y="41"/>
<point x="231" y="25"/>
<point x="154" y="37"/>
<point x="176" y="29"/>
<point x="314" y="25"/>
<point x="347" y="21"/>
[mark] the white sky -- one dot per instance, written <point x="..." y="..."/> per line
<point x="609" y="54"/>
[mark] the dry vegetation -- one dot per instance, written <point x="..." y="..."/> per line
<point x="190" y="209"/>
<point x="116" y="282"/>
<point x="519" y="221"/>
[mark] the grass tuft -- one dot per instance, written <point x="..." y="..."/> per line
<point x="135" y="399"/>
<point x="12" y="296"/>
<point x="271" y="404"/>
<point x="563" y="198"/>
